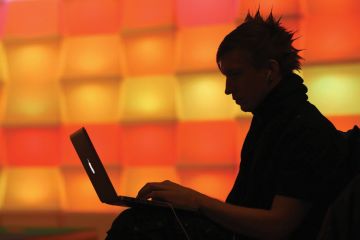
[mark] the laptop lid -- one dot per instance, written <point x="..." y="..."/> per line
<point x="93" y="166"/>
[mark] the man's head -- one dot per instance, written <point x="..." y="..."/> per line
<point x="254" y="57"/>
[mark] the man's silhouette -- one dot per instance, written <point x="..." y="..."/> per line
<point x="292" y="163"/>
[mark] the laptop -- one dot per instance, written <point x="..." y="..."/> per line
<point x="99" y="177"/>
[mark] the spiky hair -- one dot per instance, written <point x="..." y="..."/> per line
<point x="264" y="39"/>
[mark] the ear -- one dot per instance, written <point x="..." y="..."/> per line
<point x="273" y="75"/>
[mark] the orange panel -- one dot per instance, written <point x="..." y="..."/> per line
<point x="149" y="53"/>
<point x="91" y="101"/>
<point x="33" y="61"/>
<point x="105" y="137"/>
<point x="333" y="7"/>
<point x="289" y="8"/>
<point x="92" y="56"/>
<point x="139" y="14"/>
<point x="38" y="104"/>
<point x="32" y="18"/>
<point x="33" y="189"/>
<point x="32" y="146"/>
<point x="210" y="143"/>
<point x="214" y="182"/>
<point x="149" y="144"/>
<point x="134" y="178"/>
<point x="90" y="17"/>
<point x="205" y="12"/>
<point x="332" y="38"/>
<point x="195" y="54"/>
<point x="344" y="123"/>
<point x="80" y="194"/>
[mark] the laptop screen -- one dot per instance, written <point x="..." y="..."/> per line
<point x="93" y="165"/>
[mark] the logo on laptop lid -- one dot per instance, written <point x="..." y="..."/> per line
<point x="91" y="167"/>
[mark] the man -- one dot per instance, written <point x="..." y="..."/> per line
<point x="292" y="163"/>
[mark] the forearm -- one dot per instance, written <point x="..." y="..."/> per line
<point x="256" y="223"/>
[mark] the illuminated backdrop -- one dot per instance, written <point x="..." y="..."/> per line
<point x="141" y="76"/>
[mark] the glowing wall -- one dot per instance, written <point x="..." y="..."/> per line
<point x="141" y="76"/>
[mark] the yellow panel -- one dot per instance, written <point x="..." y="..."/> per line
<point x="134" y="178"/>
<point x="148" y="98"/>
<point x="33" y="189"/>
<point x="202" y="97"/>
<point x="90" y="56"/>
<point x="197" y="46"/>
<point x="334" y="89"/>
<point x="2" y="186"/>
<point x="90" y="101"/>
<point x="32" y="104"/>
<point x="33" y="61"/>
<point x="81" y="195"/>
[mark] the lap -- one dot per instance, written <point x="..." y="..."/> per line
<point x="161" y="223"/>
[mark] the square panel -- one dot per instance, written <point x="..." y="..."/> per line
<point x="149" y="144"/>
<point x="334" y="89"/>
<point x="32" y="19"/>
<point x="32" y="105"/>
<point x="106" y="139"/>
<point x="33" y="189"/>
<point x="149" y="52"/>
<point x="92" y="56"/>
<point x="148" y="99"/>
<point x="289" y="8"/>
<point x="25" y="146"/>
<point x="33" y="61"/>
<point x="207" y="143"/>
<point x="90" y="101"/>
<point x="340" y="31"/>
<point x="202" y="97"/>
<point x="205" y="12"/>
<point x="84" y="17"/>
<point x="193" y="54"/>
<point x="81" y="195"/>
<point x="144" y="14"/>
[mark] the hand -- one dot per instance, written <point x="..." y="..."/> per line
<point x="177" y="195"/>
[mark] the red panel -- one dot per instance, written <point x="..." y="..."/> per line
<point x="279" y="7"/>
<point x="207" y="143"/>
<point x="333" y="7"/>
<point x="205" y="12"/>
<point x="3" y="9"/>
<point x="214" y="182"/>
<point x="147" y="14"/>
<point x="32" y="18"/>
<point x="32" y="146"/>
<point x="332" y="38"/>
<point x="345" y="123"/>
<point x="149" y="144"/>
<point x="90" y="17"/>
<point x="106" y="139"/>
<point x="2" y="149"/>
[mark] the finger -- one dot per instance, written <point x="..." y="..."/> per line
<point x="148" y="188"/>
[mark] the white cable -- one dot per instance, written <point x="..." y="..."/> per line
<point x="179" y="222"/>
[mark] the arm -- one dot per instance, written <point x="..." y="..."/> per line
<point x="277" y="223"/>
